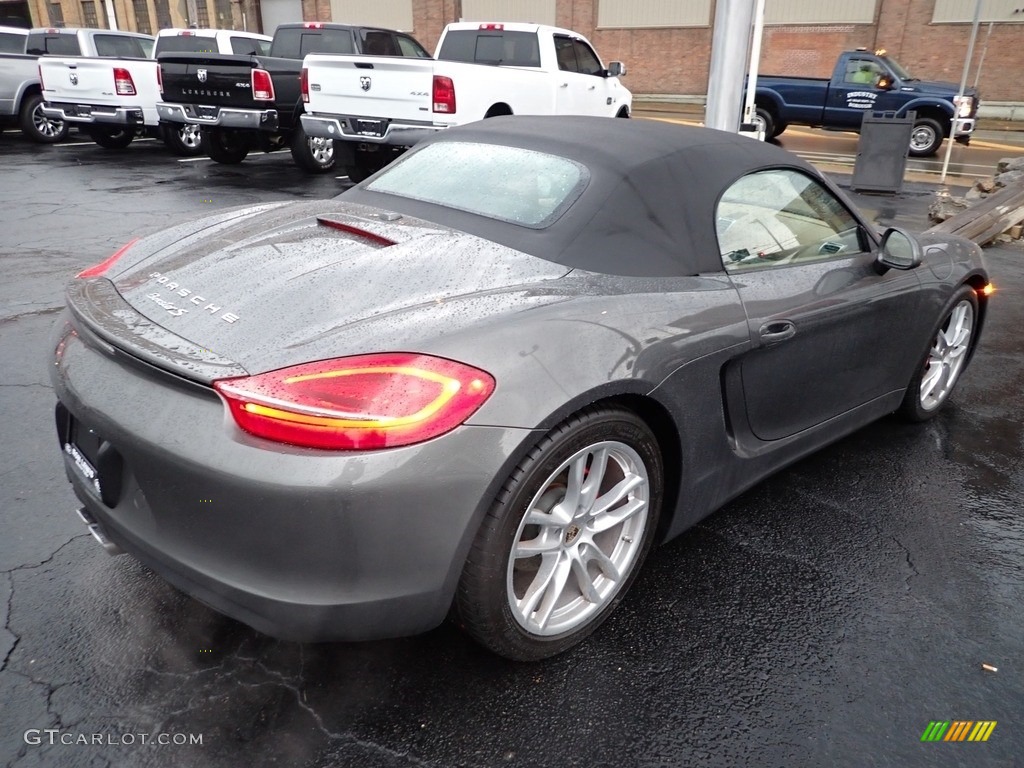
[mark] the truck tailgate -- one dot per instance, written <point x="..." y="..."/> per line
<point x="91" y="80"/>
<point x="370" y="86"/>
<point x="201" y="78"/>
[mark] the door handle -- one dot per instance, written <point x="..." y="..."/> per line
<point x="564" y="85"/>
<point x="777" y="330"/>
<point x="591" y="87"/>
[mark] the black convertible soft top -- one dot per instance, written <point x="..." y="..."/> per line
<point x="649" y="208"/>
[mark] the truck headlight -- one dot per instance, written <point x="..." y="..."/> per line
<point x="964" y="106"/>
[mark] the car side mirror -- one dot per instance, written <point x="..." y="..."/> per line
<point x="899" y="250"/>
<point x="616" y="69"/>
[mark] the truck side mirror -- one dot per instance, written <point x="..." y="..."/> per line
<point x="883" y="82"/>
<point x="616" y="69"/>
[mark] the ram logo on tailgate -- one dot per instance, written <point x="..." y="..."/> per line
<point x="364" y="83"/>
<point x="201" y="74"/>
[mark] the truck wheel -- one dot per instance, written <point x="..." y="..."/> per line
<point x="183" y="140"/>
<point x="37" y="126"/>
<point x="225" y="146"/>
<point x="312" y="153"/>
<point x="926" y="138"/>
<point x="763" y="119"/>
<point x="364" y="165"/>
<point x="111" y="138"/>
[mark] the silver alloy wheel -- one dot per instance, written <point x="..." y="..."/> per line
<point x="922" y="137"/>
<point x="579" y="539"/>
<point x="947" y="356"/>
<point x="190" y="136"/>
<point x="758" y="122"/>
<point x="44" y="125"/>
<point x="322" y="150"/>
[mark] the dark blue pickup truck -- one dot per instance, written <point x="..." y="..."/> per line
<point x="864" y="82"/>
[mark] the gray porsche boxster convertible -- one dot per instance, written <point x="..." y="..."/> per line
<point x="491" y="376"/>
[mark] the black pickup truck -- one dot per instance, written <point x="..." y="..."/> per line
<point x="245" y="103"/>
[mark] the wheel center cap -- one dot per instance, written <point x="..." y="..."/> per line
<point x="572" y="533"/>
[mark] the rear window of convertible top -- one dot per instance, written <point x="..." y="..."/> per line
<point x="521" y="186"/>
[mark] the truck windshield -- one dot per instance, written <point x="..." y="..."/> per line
<point x="186" y="44"/>
<point x="40" y="44"/>
<point x="513" y="49"/>
<point x="897" y="69"/>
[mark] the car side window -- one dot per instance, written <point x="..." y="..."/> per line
<point x="247" y="46"/>
<point x="861" y="72"/>
<point x="781" y="217"/>
<point x="10" y="43"/>
<point x="409" y="47"/>
<point x="379" y="44"/>
<point x="587" y="62"/>
<point x="565" y="54"/>
<point x="116" y="46"/>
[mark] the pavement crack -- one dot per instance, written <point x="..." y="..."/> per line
<point x="27" y="567"/>
<point x="910" y="560"/>
<point x="7" y="623"/>
<point x="32" y="313"/>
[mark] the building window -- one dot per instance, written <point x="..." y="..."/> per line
<point x="142" y="24"/>
<point x="222" y="10"/>
<point x="954" y="11"/>
<point x="532" y="11"/>
<point x="163" y="14"/>
<point x="56" y="15"/>
<point x="202" y="19"/>
<point x="390" y="14"/>
<point x="89" y="17"/>
<point x="626" y="14"/>
<point x="819" y="11"/>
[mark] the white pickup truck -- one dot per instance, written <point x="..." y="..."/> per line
<point x="20" y="96"/>
<point x="114" y="100"/>
<point x="378" y="106"/>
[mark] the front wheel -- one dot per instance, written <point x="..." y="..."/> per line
<point x="565" y="538"/>
<point x="37" y="126"/>
<point x="925" y="138"/>
<point x="111" y="138"/>
<point x="312" y="153"/>
<point x="224" y="145"/>
<point x="183" y="139"/>
<point x="950" y="350"/>
<point x="765" y="121"/>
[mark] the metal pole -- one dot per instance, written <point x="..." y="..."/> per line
<point x="963" y="87"/>
<point x="111" y="17"/>
<point x="730" y="47"/>
<point x="755" y="62"/>
<point x="981" y="58"/>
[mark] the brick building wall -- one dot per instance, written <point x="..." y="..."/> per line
<point x="674" y="61"/>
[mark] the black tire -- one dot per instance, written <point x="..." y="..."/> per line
<point x="225" y="146"/>
<point x="111" y="138"/>
<point x="364" y="165"/>
<point x="314" y="155"/>
<point x="38" y="127"/>
<point x="183" y="139"/>
<point x="926" y="137"/>
<point x="624" y="112"/>
<point x="483" y="603"/>
<point x="945" y="359"/>
<point x="767" y="120"/>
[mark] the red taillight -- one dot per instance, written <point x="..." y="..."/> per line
<point x="366" y="402"/>
<point x="313" y="25"/>
<point x="304" y="85"/>
<point x="186" y="33"/>
<point x="98" y="269"/>
<point x="262" y="85"/>
<point x="444" y="95"/>
<point x="497" y="27"/>
<point x="123" y="83"/>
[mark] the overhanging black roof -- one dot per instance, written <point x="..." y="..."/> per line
<point x="649" y="209"/>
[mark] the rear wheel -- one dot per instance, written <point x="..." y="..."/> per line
<point x="312" y="153"/>
<point x="224" y="145"/>
<point x="565" y="537"/>
<point x="945" y="360"/>
<point x="364" y="165"/>
<point x="184" y="140"/>
<point x="37" y="126"/>
<point x="765" y="121"/>
<point x="111" y="138"/>
<point x="925" y="138"/>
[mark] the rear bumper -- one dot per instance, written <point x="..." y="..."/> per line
<point x="94" y="115"/>
<point x="301" y="545"/>
<point x="347" y="128"/>
<point x="221" y="117"/>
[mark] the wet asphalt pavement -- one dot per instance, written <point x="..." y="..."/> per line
<point x="823" y="618"/>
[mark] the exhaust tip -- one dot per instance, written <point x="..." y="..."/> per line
<point x="99" y="534"/>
